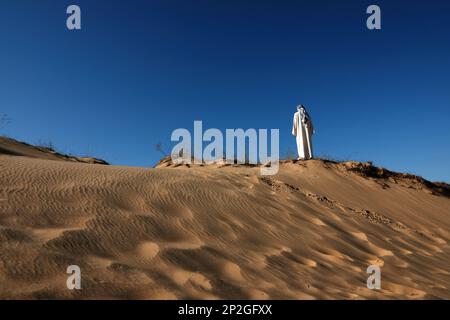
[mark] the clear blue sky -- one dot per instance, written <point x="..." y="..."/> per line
<point x="140" y="69"/>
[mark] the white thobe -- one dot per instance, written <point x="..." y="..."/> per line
<point x="302" y="129"/>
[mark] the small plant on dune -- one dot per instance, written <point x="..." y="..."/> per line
<point x="48" y="145"/>
<point x="159" y="147"/>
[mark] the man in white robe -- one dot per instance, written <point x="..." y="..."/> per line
<point x="303" y="130"/>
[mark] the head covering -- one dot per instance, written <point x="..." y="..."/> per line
<point x="304" y="116"/>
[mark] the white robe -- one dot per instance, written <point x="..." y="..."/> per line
<point x="303" y="130"/>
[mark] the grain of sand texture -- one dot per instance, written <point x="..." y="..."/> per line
<point x="219" y="232"/>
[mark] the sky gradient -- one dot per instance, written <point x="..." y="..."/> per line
<point x="140" y="69"/>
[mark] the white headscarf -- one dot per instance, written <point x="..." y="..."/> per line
<point x="304" y="116"/>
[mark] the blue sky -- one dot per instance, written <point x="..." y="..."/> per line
<point x="140" y="69"/>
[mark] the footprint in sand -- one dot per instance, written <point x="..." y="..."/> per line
<point x="148" y="250"/>
<point x="360" y="236"/>
<point x="182" y="277"/>
<point x="232" y="272"/>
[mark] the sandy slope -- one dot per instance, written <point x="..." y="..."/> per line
<point x="13" y="147"/>
<point x="218" y="232"/>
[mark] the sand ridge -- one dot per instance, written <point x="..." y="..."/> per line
<point x="218" y="232"/>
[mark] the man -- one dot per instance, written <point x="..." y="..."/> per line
<point x="303" y="130"/>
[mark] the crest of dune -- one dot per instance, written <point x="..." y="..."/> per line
<point x="218" y="231"/>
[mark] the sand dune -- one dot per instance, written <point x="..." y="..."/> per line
<point x="219" y="232"/>
<point x="13" y="147"/>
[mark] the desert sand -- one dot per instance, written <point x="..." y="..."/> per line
<point x="218" y="231"/>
